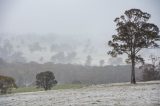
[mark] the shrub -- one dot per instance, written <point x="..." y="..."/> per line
<point x="6" y="84"/>
<point x="45" y="80"/>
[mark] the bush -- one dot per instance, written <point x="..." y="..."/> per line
<point x="6" y="84"/>
<point x="150" y="72"/>
<point x="45" y="80"/>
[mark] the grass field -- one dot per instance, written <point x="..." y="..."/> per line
<point x="59" y="86"/>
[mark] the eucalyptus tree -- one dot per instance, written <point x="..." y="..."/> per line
<point x="134" y="32"/>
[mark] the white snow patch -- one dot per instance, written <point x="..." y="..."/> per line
<point x="119" y="94"/>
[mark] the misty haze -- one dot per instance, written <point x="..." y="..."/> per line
<point x="79" y="53"/>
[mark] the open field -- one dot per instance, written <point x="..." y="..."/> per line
<point x="119" y="94"/>
<point x="57" y="87"/>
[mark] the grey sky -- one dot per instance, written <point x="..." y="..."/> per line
<point x="72" y="22"/>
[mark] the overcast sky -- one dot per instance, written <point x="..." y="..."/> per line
<point x="50" y="28"/>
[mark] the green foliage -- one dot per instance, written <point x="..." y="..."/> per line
<point x="68" y="86"/>
<point x="45" y="80"/>
<point x="27" y="89"/>
<point x="133" y="33"/>
<point x="6" y="84"/>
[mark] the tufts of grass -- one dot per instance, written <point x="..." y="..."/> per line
<point x="26" y="89"/>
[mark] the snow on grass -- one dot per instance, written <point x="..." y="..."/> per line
<point x="119" y="94"/>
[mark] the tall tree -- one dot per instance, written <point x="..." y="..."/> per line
<point x="134" y="32"/>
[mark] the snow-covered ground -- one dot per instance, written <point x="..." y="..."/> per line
<point x="142" y="94"/>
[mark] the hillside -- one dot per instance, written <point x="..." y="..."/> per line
<point x="25" y="73"/>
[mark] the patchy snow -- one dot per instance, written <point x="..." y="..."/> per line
<point x="119" y="94"/>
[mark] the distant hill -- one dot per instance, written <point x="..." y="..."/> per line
<point x="25" y="73"/>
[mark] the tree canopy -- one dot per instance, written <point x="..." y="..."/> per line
<point x="45" y="80"/>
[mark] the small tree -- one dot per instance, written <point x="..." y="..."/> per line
<point x="45" y="80"/>
<point x="133" y="33"/>
<point x="151" y="71"/>
<point x="6" y="84"/>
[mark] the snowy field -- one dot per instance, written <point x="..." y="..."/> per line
<point x="142" y="94"/>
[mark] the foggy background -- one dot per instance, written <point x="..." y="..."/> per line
<point x="64" y="31"/>
<point x="64" y="36"/>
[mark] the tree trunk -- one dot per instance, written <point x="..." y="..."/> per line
<point x="133" y="79"/>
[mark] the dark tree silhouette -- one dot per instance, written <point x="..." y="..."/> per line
<point x="133" y="33"/>
<point x="45" y="80"/>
